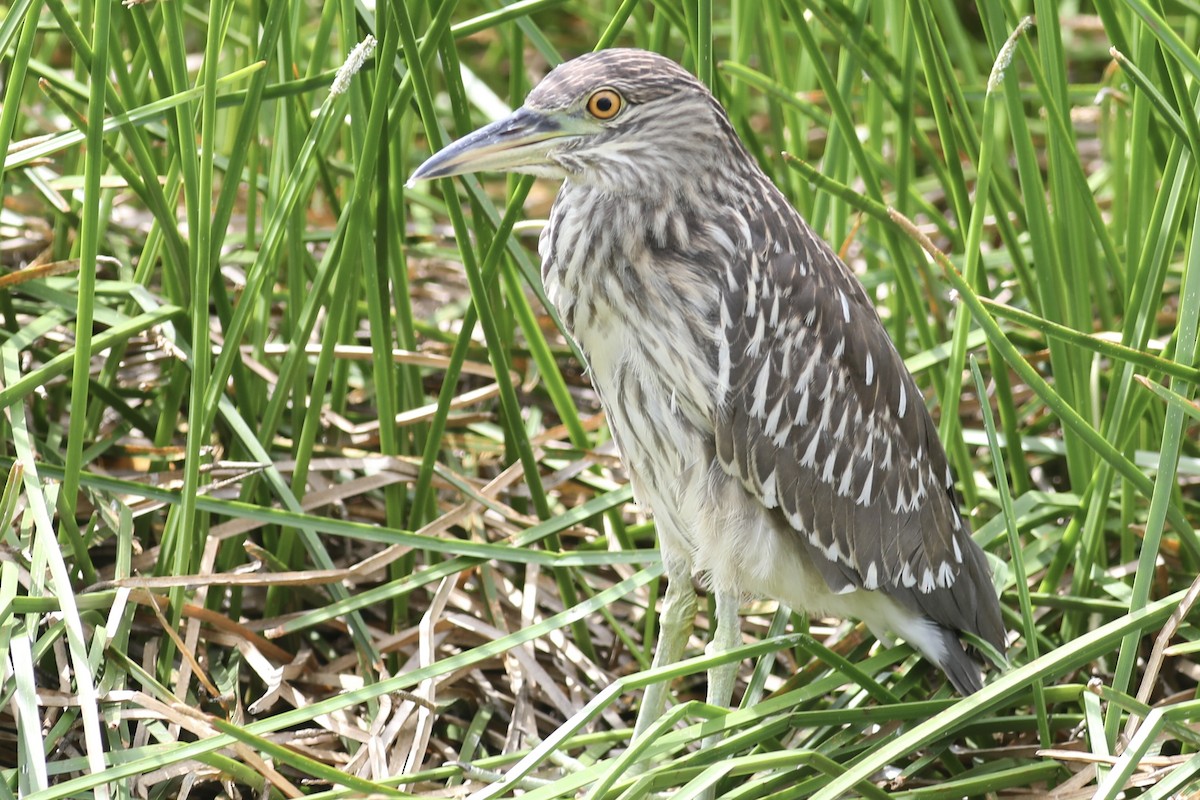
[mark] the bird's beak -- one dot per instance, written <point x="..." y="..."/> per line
<point x="520" y="142"/>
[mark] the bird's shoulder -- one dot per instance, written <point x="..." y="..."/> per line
<point x="819" y="418"/>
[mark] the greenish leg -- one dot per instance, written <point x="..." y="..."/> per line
<point x="727" y="636"/>
<point x="675" y="626"/>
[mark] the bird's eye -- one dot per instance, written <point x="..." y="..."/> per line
<point x="604" y="104"/>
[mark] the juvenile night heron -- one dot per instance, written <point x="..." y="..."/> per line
<point x="760" y="407"/>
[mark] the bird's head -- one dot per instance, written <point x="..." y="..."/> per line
<point x="622" y="120"/>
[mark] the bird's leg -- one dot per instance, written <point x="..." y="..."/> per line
<point x="727" y="636"/>
<point x="674" y="629"/>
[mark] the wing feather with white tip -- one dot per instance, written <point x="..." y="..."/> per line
<point x="822" y="421"/>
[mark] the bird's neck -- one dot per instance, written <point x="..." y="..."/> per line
<point x="657" y="247"/>
<point x="635" y="282"/>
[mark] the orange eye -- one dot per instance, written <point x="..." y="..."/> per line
<point x="604" y="104"/>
